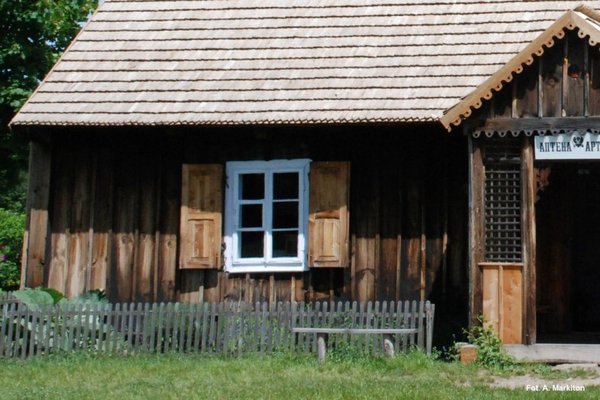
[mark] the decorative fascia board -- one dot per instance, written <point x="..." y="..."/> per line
<point x="583" y="18"/>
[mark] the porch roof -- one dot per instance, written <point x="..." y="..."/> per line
<point x="237" y="62"/>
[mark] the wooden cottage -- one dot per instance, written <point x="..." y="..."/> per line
<point x="298" y="150"/>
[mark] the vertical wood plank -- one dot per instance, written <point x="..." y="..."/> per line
<point x="62" y="178"/>
<point x="512" y="305"/>
<point x="36" y="231"/>
<point x="102" y="220"/>
<point x="169" y="225"/>
<point x="594" y="86"/>
<point x="574" y="77"/>
<point x="527" y="92"/>
<point x="145" y="267"/>
<point x="586" y="80"/>
<point x="389" y="209"/>
<point x="79" y="240"/>
<point x="491" y="297"/>
<point x="552" y="77"/>
<point x="123" y="243"/>
<point x="411" y="263"/>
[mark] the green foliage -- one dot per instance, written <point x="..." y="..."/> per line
<point x="11" y="236"/>
<point x="43" y="332"/>
<point x="34" y="299"/>
<point x="55" y="294"/>
<point x="96" y="296"/>
<point x="344" y="351"/>
<point x="490" y="353"/>
<point x="34" y="34"/>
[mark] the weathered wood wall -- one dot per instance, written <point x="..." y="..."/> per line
<point x="115" y="198"/>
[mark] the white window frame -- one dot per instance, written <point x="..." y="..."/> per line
<point x="235" y="264"/>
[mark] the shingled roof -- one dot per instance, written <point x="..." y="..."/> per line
<point x="292" y="61"/>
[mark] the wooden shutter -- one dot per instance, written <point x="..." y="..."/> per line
<point x="328" y="219"/>
<point x="201" y="215"/>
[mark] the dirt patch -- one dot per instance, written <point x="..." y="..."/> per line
<point x="539" y="384"/>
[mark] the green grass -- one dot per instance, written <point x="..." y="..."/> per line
<point x="284" y="377"/>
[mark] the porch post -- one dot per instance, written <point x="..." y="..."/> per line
<point x="529" y="245"/>
<point x="475" y="254"/>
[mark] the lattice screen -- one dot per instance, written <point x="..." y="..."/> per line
<point x="502" y="200"/>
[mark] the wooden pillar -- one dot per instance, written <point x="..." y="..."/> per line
<point x="476" y="210"/>
<point x="529" y="243"/>
<point x="36" y="228"/>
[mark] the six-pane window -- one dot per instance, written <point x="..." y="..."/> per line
<point x="267" y="209"/>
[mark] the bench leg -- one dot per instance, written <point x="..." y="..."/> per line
<point x="321" y="347"/>
<point x="388" y="346"/>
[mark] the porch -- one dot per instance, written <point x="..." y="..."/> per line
<point x="555" y="353"/>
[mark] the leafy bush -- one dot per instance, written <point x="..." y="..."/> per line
<point x="490" y="353"/>
<point x="55" y="331"/>
<point x="12" y="225"/>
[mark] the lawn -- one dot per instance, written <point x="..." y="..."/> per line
<point x="280" y="376"/>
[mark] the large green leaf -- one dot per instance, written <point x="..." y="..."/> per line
<point x="34" y="299"/>
<point x="56" y="295"/>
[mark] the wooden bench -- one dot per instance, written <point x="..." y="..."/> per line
<point x="387" y="333"/>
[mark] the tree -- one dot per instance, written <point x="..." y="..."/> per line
<point x="34" y="34"/>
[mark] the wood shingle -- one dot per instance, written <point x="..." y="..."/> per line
<point x="291" y="61"/>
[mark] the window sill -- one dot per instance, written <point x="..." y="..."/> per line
<point x="239" y="269"/>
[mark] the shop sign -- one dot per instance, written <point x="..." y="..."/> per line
<point x="568" y="146"/>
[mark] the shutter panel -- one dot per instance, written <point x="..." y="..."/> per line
<point x="328" y="219"/>
<point x="201" y="215"/>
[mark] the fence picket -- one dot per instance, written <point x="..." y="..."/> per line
<point x="4" y="322"/>
<point x="231" y="328"/>
<point x="167" y="327"/>
<point x="174" y="326"/>
<point x="413" y="320"/>
<point x="429" y="326"/>
<point x="420" y="334"/>
<point x="24" y="320"/>
<point x="225" y="328"/>
<point x="182" y="328"/>
<point x="13" y="318"/>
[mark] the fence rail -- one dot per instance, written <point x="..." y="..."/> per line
<point x="226" y="328"/>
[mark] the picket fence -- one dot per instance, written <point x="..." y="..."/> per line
<point x="228" y="328"/>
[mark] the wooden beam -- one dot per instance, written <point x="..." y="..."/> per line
<point x="586" y="81"/>
<point x="565" y="79"/>
<point x="36" y="231"/>
<point x="529" y="240"/>
<point x="476" y="209"/>
<point x="532" y="124"/>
